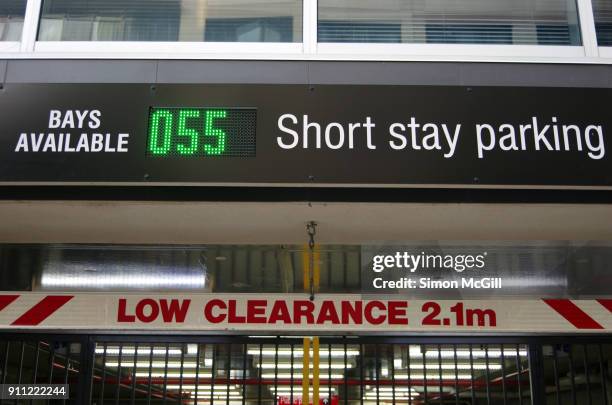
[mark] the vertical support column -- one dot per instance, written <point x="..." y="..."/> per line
<point x="306" y="371"/>
<point x="86" y="372"/>
<point x="603" y="375"/>
<point x="536" y="375"/>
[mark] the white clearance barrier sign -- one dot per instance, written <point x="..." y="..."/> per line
<point x="273" y="313"/>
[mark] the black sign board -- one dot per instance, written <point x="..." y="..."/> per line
<point x="295" y="134"/>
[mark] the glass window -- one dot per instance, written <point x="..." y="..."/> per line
<point x="266" y="29"/>
<point x="172" y="20"/>
<point x="11" y="19"/>
<point x="525" y="22"/>
<point x="603" y="21"/>
<point x="351" y="31"/>
<point x="444" y="33"/>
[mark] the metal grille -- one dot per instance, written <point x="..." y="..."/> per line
<point x="355" y="371"/>
<point x="578" y="373"/>
<point x="226" y="370"/>
<point x="43" y="361"/>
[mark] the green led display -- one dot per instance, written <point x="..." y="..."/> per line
<point x="201" y="132"/>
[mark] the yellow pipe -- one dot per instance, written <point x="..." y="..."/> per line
<point x="306" y="269"/>
<point x="306" y="371"/>
<point x="316" y="262"/>
<point x="315" y="370"/>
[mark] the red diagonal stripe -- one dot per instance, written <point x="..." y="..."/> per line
<point x="42" y="310"/>
<point x="606" y="303"/>
<point x="5" y="300"/>
<point x="573" y="314"/>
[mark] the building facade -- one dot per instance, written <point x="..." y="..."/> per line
<point x="245" y="202"/>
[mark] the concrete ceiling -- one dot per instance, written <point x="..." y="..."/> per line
<point x="284" y="223"/>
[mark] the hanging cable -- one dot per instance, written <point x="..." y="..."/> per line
<point x="311" y="229"/>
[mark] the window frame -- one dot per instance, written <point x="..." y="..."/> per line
<point x="10" y="46"/>
<point x="456" y="52"/>
<point x="309" y="49"/>
<point x="164" y="50"/>
<point x="604" y="52"/>
<point x="15" y="47"/>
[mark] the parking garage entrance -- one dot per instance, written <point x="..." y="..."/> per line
<point x="255" y="370"/>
